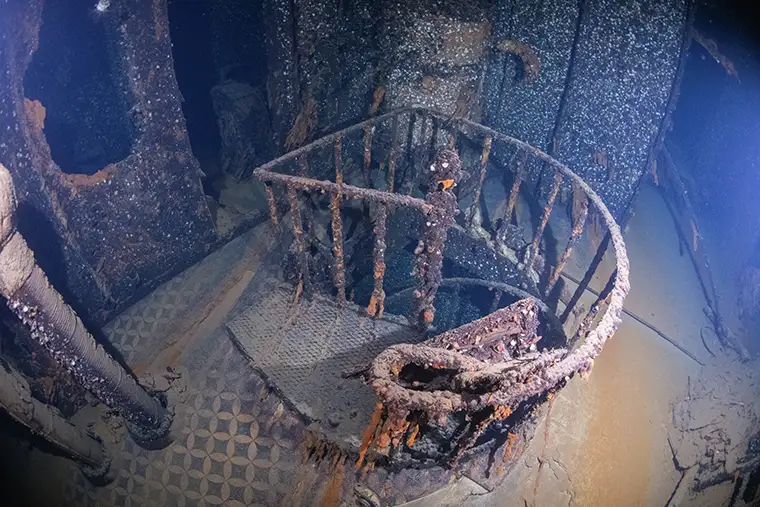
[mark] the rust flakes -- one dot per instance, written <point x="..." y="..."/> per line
<point x="334" y="488"/>
<point x="36" y="113"/>
<point x="76" y="182"/>
<point x="369" y="434"/>
<point x="413" y="435"/>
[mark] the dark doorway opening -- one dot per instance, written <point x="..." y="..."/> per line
<point x="80" y="83"/>
<point x="220" y="61"/>
<point x="190" y="28"/>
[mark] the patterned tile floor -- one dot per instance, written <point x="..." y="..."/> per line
<point x="239" y="444"/>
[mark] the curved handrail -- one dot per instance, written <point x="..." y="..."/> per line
<point x="579" y="359"/>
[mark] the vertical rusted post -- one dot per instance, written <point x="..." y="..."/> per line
<point x="474" y="207"/>
<point x="444" y="175"/>
<point x="271" y="203"/>
<point x="377" y="301"/>
<point x="522" y="156"/>
<point x="532" y="252"/>
<point x="587" y="277"/>
<point x="602" y="299"/>
<point x="304" y="281"/>
<point x="392" y="154"/>
<point x="580" y="212"/>
<point x="339" y="269"/>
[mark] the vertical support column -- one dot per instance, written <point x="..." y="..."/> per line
<point x="580" y="212"/>
<point x="339" y="269"/>
<point x="532" y="252"/>
<point x="445" y="173"/>
<point x="602" y="300"/>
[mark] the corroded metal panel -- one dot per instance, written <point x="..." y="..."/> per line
<point x="106" y="237"/>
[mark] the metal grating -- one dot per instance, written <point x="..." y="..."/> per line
<point x="302" y="349"/>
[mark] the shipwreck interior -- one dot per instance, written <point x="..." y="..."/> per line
<point x="377" y="253"/>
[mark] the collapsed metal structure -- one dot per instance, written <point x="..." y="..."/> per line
<point x="428" y="152"/>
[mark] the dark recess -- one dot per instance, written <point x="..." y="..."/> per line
<point x="190" y="28"/>
<point x="74" y="76"/>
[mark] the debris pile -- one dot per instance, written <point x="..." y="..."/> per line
<point x="717" y="424"/>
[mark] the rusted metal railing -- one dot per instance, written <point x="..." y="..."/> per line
<point x="433" y="135"/>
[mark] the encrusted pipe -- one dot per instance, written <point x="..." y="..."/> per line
<point x="532" y="252"/>
<point x="339" y="268"/>
<point x="56" y="327"/>
<point x="481" y="179"/>
<point x="580" y="212"/>
<point x="16" y="399"/>
<point x="377" y="301"/>
<point x="444" y="175"/>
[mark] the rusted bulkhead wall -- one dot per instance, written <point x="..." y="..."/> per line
<point x="424" y="52"/>
<point x="606" y="72"/>
<point x="109" y="237"/>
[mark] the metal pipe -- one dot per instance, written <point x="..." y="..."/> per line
<point x="17" y="400"/>
<point x="57" y="328"/>
<point x="271" y="203"/>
